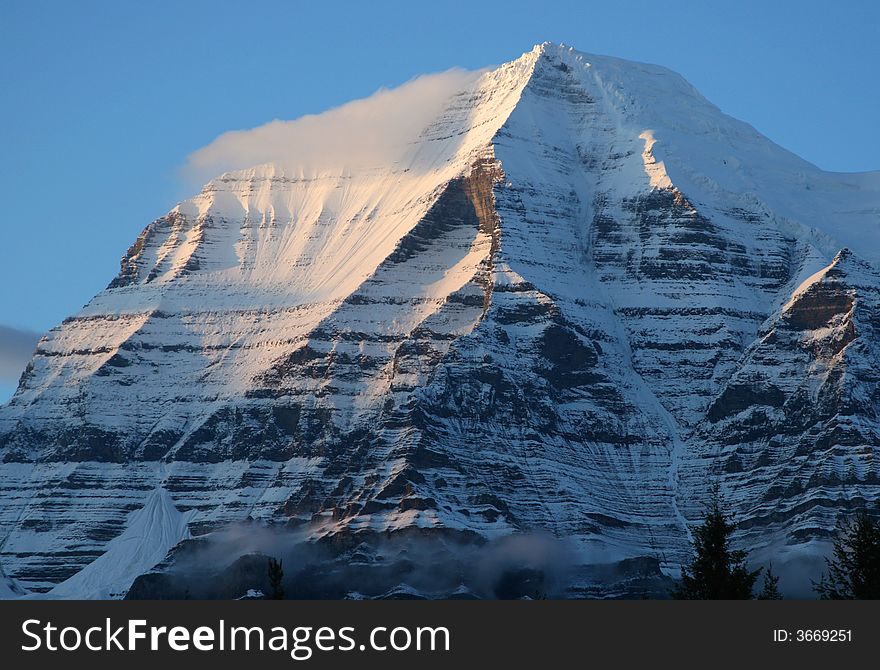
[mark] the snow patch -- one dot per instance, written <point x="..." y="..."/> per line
<point x="656" y="170"/>
<point x="151" y="533"/>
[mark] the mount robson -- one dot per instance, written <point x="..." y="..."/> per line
<point x="514" y="361"/>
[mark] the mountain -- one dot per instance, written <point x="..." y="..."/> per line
<point x="582" y="298"/>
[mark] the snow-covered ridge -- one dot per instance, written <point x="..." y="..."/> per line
<point x="150" y="533"/>
<point x="551" y="312"/>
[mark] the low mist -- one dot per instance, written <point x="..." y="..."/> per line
<point x="408" y="563"/>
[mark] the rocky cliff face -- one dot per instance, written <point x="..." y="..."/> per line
<point x="584" y="296"/>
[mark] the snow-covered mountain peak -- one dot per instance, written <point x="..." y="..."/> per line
<point x="571" y="299"/>
<point x="686" y="142"/>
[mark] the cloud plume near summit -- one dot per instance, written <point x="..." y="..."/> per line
<point x="372" y="131"/>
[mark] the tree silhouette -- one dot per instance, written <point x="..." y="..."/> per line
<point x="854" y="571"/>
<point x="716" y="572"/>
<point x="770" y="590"/>
<point x="276" y="576"/>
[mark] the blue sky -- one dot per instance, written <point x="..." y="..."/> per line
<point x="103" y="101"/>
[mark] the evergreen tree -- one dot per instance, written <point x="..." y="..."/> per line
<point x="276" y="576"/>
<point x="716" y="572"/>
<point x="854" y="571"/>
<point x="770" y="590"/>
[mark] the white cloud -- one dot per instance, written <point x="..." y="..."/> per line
<point x="373" y="131"/>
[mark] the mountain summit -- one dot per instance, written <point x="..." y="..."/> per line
<point x="581" y="297"/>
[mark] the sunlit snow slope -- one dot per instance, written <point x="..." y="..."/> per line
<point x="582" y="297"/>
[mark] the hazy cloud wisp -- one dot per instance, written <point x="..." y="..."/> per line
<point x="369" y="132"/>
<point x="16" y="348"/>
